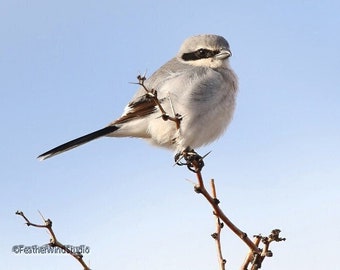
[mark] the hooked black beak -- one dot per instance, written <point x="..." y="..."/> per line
<point x="223" y="54"/>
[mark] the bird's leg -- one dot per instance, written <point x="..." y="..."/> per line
<point x="153" y="94"/>
<point x="193" y="160"/>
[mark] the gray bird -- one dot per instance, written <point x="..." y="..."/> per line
<point x="197" y="87"/>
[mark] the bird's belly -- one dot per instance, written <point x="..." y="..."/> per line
<point x="196" y="129"/>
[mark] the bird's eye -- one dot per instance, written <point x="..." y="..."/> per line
<point x="202" y="53"/>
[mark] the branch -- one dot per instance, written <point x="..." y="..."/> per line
<point x="200" y="188"/>
<point x="217" y="234"/>
<point x="250" y="255"/>
<point x="53" y="241"/>
<point x="152" y="93"/>
<point x="195" y="163"/>
<point x="257" y="260"/>
<point x="256" y="255"/>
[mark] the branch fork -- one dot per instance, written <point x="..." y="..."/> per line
<point x="256" y="255"/>
<point x="53" y="240"/>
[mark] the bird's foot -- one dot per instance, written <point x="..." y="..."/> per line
<point x="192" y="160"/>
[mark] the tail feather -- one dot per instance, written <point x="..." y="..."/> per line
<point x="77" y="142"/>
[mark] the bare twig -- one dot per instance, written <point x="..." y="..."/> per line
<point x="152" y="93"/>
<point x="219" y="226"/>
<point x="266" y="240"/>
<point x="250" y="256"/>
<point x="53" y="241"/>
<point x="256" y="255"/>
<point x="200" y="188"/>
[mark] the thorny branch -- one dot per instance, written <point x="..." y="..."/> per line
<point x="256" y="255"/>
<point x="152" y="93"/>
<point x="257" y="259"/>
<point x="219" y="226"/>
<point x="195" y="163"/>
<point x="200" y="188"/>
<point x="53" y="241"/>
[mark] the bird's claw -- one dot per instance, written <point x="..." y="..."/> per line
<point x="193" y="160"/>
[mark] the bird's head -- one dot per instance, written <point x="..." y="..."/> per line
<point x="205" y="51"/>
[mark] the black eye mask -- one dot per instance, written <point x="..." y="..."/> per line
<point x="199" y="54"/>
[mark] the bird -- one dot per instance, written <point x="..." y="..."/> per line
<point x="196" y="89"/>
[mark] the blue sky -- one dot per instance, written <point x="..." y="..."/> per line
<point x="65" y="70"/>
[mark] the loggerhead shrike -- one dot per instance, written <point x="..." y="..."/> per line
<point x="197" y="84"/>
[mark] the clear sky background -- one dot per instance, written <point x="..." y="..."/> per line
<point x="65" y="68"/>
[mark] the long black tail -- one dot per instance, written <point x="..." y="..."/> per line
<point x="79" y="141"/>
